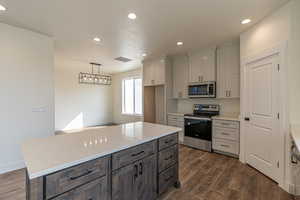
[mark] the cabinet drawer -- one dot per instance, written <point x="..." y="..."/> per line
<point x="96" y="190"/>
<point x="167" y="157"/>
<point x="167" y="141"/>
<point x="172" y="118"/>
<point x="226" y="124"/>
<point x="167" y="179"/>
<point x="70" y="178"/>
<point x="172" y="123"/>
<point x="226" y="146"/>
<point x="226" y="133"/>
<point x="133" y="154"/>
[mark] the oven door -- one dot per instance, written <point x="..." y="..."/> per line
<point x="198" y="128"/>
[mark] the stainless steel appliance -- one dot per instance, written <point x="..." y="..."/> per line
<point x="198" y="126"/>
<point x="202" y="90"/>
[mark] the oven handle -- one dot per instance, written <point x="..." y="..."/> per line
<point x="199" y="118"/>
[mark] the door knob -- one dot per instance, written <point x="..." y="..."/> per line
<point x="247" y="119"/>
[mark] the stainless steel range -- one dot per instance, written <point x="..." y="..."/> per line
<point x="198" y="126"/>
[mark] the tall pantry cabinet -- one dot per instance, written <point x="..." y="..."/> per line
<point x="157" y="81"/>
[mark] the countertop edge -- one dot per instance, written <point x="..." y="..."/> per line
<point x="103" y="154"/>
<point x="227" y="118"/>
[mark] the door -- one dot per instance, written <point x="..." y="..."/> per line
<point x="262" y="127"/>
<point x="147" y="181"/>
<point x="124" y="183"/>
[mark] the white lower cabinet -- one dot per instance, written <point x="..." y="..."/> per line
<point x="226" y="137"/>
<point x="177" y="121"/>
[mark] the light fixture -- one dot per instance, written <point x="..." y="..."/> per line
<point x="94" y="78"/>
<point x="144" y="54"/>
<point x="132" y="16"/>
<point x="96" y="39"/>
<point x="179" y="43"/>
<point x="246" y="21"/>
<point x="2" y="8"/>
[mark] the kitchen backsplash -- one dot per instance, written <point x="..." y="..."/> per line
<point x="227" y="106"/>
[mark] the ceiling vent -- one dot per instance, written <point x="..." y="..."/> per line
<point x="123" y="59"/>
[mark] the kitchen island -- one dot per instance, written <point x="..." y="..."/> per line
<point x="129" y="161"/>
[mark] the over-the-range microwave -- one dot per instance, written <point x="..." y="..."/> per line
<point x="202" y="90"/>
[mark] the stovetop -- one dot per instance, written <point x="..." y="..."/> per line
<point x="205" y="110"/>
<point x="201" y="115"/>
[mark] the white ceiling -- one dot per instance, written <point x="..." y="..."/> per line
<point x="159" y="25"/>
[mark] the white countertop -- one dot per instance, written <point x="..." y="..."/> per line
<point x="177" y="114"/>
<point x="47" y="155"/>
<point x="295" y="132"/>
<point x="229" y="117"/>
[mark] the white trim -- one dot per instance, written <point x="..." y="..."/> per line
<point x="281" y="50"/>
<point x="4" y="168"/>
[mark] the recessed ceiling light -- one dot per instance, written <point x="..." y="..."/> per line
<point x="246" y="21"/>
<point x="132" y="16"/>
<point x="96" y="39"/>
<point x="144" y="54"/>
<point x="2" y="8"/>
<point x="179" y="43"/>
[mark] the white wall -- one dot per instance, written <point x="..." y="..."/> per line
<point x="294" y="64"/>
<point x="79" y="105"/>
<point x="273" y="30"/>
<point x="118" y="117"/>
<point x="26" y="79"/>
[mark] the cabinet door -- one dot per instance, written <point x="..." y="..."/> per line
<point x="222" y="65"/>
<point x="148" y="73"/>
<point x="202" y="65"/>
<point x="233" y="80"/>
<point x="124" y="183"/>
<point x="180" y="77"/>
<point x="147" y="181"/>
<point x="195" y="63"/>
<point x="228" y="71"/>
<point x="159" y="71"/>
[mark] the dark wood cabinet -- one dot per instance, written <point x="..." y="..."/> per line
<point x="147" y="179"/>
<point x="137" y="181"/>
<point x="142" y="172"/>
<point x="95" y="190"/>
<point x="124" y="182"/>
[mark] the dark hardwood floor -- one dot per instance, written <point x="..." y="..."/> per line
<point x="204" y="176"/>
<point x="210" y="176"/>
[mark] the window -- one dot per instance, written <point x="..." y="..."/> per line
<point x="132" y="96"/>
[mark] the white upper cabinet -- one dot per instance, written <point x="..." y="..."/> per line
<point x="202" y="65"/>
<point x="228" y="71"/>
<point x="154" y="72"/>
<point x="180" y="76"/>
